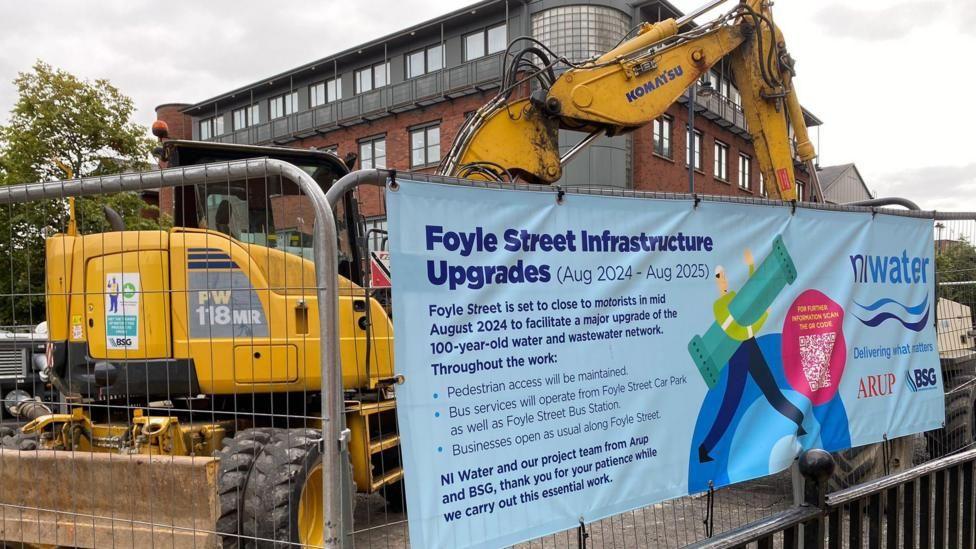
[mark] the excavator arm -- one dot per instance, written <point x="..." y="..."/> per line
<point x="631" y="85"/>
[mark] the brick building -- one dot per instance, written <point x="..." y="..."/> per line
<point x="399" y="100"/>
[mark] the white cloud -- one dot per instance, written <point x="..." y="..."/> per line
<point x="883" y="23"/>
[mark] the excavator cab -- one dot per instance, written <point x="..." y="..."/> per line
<point x="266" y="212"/>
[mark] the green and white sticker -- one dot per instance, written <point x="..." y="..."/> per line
<point x="122" y="310"/>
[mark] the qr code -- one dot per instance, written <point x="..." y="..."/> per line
<point x="815" y="352"/>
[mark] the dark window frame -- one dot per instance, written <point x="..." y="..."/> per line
<point x="425" y="129"/>
<point x="747" y="184"/>
<point x="484" y="41"/>
<point x="724" y="147"/>
<point x="371" y="142"/>
<point x="426" y="55"/>
<point x="337" y="80"/>
<point x="666" y="148"/>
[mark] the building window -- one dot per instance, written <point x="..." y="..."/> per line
<point x="424" y="61"/>
<point x="211" y="127"/>
<point x="721" y="161"/>
<point x="799" y="191"/>
<point x="745" y="172"/>
<point x="240" y="118"/>
<point x="370" y="78"/>
<point x="372" y="153"/>
<point x="205" y="128"/>
<point x="662" y="136"/>
<point x="283" y="105"/>
<point x="485" y="42"/>
<point x="325" y="92"/>
<point x="699" y="145"/>
<point x="334" y="149"/>
<point x="762" y="185"/>
<point x="425" y="146"/>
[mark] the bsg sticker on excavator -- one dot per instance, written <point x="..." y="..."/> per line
<point x="223" y="304"/>
<point x="122" y="310"/>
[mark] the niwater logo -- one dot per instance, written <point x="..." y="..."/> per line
<point x="651" y="85"/>
<point x="922" y="379"/>
<point x="889" y="269"/>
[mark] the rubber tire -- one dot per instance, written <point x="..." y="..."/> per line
<point x="275" y="487"/>
<point x="395" y="499"/>
<point x="855" y="466"/>
<point x="236" y="464"/>
<point x="958" y="431"/>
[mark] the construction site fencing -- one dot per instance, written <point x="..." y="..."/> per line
<point x="699" y="517"/>
<point x="175" y="387"/>
<point x="251" y="401"/>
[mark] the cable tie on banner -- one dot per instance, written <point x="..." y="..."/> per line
<point x="393" y="182"/>
<point x="697" y="201"/>
<point x="560" y="194"/>
<point x="793" y="207"/>
<point x="709" y="519"/>
<point x="886" y="453"/>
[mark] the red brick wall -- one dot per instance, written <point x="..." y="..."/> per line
<point x="396" y="129"/>
<point x="656" y="173"/>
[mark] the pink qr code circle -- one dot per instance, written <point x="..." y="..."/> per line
<point x="814" y="350"/>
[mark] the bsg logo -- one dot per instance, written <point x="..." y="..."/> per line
<point x="922" y="379"/>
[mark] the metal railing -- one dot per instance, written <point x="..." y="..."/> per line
<point x="722" y="110"/>
<point x="929" y="506"/>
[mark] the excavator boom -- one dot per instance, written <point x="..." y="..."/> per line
<point x="631" y="85"/>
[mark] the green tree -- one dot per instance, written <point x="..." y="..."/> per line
<point x="955" y="261"/>
<point x="61" y="124"/>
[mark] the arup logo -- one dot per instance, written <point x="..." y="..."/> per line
<point x="922" y="379"/>
<point x="651" y="85"/>
<point x="879" y="385"/>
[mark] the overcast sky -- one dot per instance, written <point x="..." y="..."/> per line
<point x="892" y="81"/>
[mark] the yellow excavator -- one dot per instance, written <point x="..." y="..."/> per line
<point x="188" y="359"/>
<point x="516" y="138"/>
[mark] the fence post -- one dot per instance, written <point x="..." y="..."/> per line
<point x="816" y="466"/>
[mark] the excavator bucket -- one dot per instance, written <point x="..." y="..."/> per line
<point x="82" y="499"/>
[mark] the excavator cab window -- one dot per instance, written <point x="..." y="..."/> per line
<point x="265" y="211"/>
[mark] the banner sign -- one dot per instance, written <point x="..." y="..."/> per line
<point x="567" y="361"/>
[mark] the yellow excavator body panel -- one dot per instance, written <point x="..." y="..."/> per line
<point x="245" y="316"/>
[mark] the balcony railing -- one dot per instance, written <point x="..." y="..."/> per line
<point x="721" y="110"/>
<point x="424" y="90"/>
<point x="410" y="94"/>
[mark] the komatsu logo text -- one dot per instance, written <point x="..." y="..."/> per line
<point x="651" y="85"/>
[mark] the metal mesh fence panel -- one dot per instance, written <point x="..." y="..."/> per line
<point x="167" y="387"/>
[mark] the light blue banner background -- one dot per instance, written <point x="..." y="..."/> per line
<point x="839" y="359"/>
